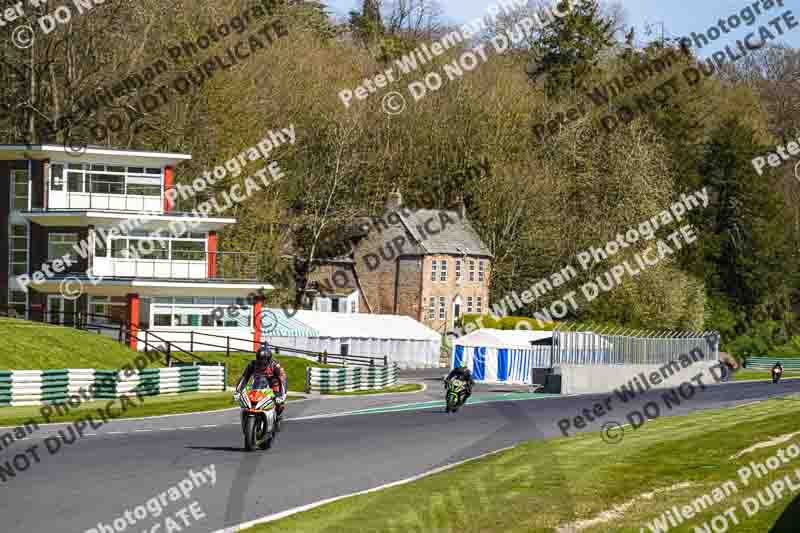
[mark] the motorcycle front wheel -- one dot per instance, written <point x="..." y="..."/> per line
<point x="249" y="433"/>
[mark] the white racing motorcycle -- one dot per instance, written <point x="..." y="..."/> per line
<point x="259" y="420"/>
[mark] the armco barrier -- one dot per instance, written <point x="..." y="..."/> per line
<point x="326" y="380"/>
<point x="766" y="363"/>
<point x="36" y="387"/>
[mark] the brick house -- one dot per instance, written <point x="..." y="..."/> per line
<point x="428" y="264"/>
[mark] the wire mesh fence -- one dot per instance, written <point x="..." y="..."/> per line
<point x="576" y="345"/>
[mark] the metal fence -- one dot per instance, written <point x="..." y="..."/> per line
<point x="577" y="345"/>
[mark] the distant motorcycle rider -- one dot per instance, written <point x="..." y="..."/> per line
<point x="777" y="372"/>
<point x="267" y="373"/>
<point x="463" y="373"/>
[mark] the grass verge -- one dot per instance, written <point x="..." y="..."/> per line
<point x="406" y="387"/>
<point x="545" y="485"/>
<point x="170" y="404"/>
<point x="766" y="375"/>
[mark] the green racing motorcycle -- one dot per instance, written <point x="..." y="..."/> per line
<point x="456" y="390"/>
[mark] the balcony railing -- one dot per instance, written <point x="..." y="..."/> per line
<point x="111" y="196"/>
<point x="232" y="266"/>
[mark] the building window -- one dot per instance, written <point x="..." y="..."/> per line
<point x="443" y="271"/>
<point x="20" y="190"/>
<point x="481" y="271"/>
<point x="471" y="270"/>
<point x="18" y="301"/>
<point x="201" y="312"/>
<point x="105" y="309"/>
<point x="478" y="305"/>
<point x="469" y="304"/>
<point x="432" y="308"/>
<point x="442" y="308"/>
<point x="433" y="270"/>
<point x="458" y="269"/>
<point x="107" y="179"/>
<point x="18" y="247"/>
<point x="61" y="245"/>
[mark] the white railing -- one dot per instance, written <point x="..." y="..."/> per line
<point x="149" y="268"/>
<point x="111" y="202"/>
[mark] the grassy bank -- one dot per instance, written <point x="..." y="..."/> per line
<point x="546" y="485"/>
<point x="37" y="346"/>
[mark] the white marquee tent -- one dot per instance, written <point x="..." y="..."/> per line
<point x="502" y="356"/>
<point x="404" y="340"/>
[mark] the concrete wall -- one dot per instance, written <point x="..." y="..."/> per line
<point x="606" y="378"/>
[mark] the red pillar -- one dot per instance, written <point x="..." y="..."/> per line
<point x="168" y="203"/>
<point x="133" y="319"/>
<point x="257" y="308"/>
<point x="212" y="254"/>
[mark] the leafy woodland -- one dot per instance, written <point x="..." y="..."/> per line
<point x="536" y="201"/>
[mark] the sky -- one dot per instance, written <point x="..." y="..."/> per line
<point x="679" y="17"/>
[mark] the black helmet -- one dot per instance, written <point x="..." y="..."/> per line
<point x="264" y="353"/>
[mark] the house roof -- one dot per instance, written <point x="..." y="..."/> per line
<point x="439" y="231"/>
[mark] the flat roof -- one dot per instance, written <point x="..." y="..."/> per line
<point x="90" y="154"/>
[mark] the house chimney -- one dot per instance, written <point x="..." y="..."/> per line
<point x="394" y="201"/>
<point x="462" y="207"/>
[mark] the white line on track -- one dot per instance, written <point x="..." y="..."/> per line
<point x="284" y="514"/>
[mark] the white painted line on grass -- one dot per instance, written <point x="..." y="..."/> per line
<point x="290" y="512"/>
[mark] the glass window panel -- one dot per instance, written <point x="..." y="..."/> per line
<point x="119" y="249"/>
<point x="116" y="169"/>
<point x="188" y="251"/>
<point x="106" y="184"/>
<point x="18" y="269"/>
<point x="208" y="321"/>
<point x="135" y="170"/>
<point x="156" y="171"/>
<point x="100" y="249"/>
<point x="20" y="231"/>
<point x="144" y="190"/>
<point x="162" y="320"/>
<point x="74" y="182"/>
<point x="201" y="300"/>
<point x="61" y="245"/>
<point x="57" y="177"/>
<point x="78" y="166"/>
<point x="183" y="300"/>
<point x="162" y="300"/>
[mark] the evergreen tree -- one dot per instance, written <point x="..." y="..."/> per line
<point x="570" y="47"/>
<point x="748" y="254"/>
<point x="367" y="25"/>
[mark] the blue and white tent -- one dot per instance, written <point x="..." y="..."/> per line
<point x="502" y="356"/>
